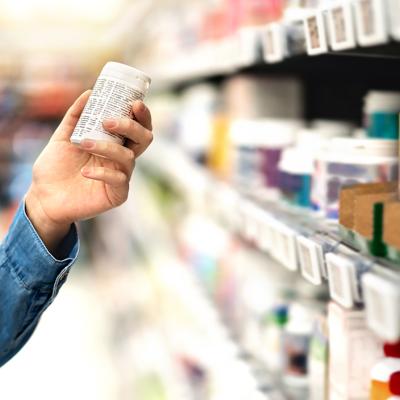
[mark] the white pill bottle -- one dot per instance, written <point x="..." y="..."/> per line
<point x="116" y="88"/>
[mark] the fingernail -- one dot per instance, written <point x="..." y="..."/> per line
<point x="85" y="170"/>
<point x="109" y="123"/>
<point x="88" y="144"/>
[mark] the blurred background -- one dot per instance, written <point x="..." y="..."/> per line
<point x="198" y="287"/>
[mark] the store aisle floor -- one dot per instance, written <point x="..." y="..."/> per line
<point x="66" y="357"/>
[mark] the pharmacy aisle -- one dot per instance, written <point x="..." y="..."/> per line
<point x="276" y="172"/>
<point x="257" y="256"/>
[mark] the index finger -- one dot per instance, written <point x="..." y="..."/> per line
<point x="142" y="115"/>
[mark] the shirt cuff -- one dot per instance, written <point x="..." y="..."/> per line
<point x="32" y="262"/>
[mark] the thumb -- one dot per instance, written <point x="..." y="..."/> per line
<point x="71" y="117"/>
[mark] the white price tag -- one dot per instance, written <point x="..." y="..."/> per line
<point x="315" y="32"/>
<point x="273" y="43"/>
<point x="248" y="228"/>
<point x="249" y="40"/>
<point x="229" y="204"/>
<point x="252" y="212"/>
<point x="287" y="247"/>
<point x="394" y="13"/>
<point x="342" y="279"/>
<point x="264" y="234"/>
<point x="382" y="299"/>
<point x="311" y="259"/>
<point x="371" y="22"/>
<point x="229" y="53"/>
<point x="275" y="235"/>
<point x="341" y="26"/>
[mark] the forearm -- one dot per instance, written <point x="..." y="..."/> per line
<point x="30" y="278"/>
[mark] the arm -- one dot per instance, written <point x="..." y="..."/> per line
<point x="30" y="278"/>
<point x="70" y="183"/>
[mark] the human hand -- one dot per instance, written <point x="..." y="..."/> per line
<point x="72" y="183"/>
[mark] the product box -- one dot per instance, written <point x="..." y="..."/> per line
<point x="360" y="215"/>
<point x="348" y="195"/>
<point x="353" y="350"/>
<point x="391" y="229"/>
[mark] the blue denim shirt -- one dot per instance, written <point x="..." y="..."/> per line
<point x="30" y="278"/>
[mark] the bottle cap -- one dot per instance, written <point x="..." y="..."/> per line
<point x="127" y="73"/>
<point x="392" y="349"/>
<point x="394" y="383"/>
<point x="380" y="101"/>
<point x="280" y="315"/>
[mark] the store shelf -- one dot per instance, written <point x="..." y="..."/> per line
<point x="300" y="241"/>
<point x="193" y="328"/>
<point x="356" y="64"/>
<point x="246" y="52"/>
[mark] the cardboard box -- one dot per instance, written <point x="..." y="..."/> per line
<point x="347" y="204"/>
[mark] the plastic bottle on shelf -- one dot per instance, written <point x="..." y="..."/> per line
<point x="332" y="128"/>
<point x="318" y="360"/>
<point x="257" y="148"/>
<point x="381" y="111"/>
<point x="296" y="342"/>
<point x="385" y="375"/>
<point x="297" y="162"/>
<point x="272" y="339"/>
<point x="196" y="118"/>
<point x="347" y="161"/>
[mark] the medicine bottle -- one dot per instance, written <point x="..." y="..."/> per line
<point x="116" y="88"/>
<point x="385" y="375"/>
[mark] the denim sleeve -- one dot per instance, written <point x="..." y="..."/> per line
<point x="30" y="278"/>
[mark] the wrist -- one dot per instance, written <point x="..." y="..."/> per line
<point x="51" y="232"/>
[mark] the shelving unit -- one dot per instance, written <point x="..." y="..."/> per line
<point x="228" y="292"/>
<point x="298" y="241"/>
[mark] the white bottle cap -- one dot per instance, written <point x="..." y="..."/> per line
<point x="128" y="74"/>
<point x="376" y="101"/>
<point x="331" y="128"/>
<point x="365" y="151"/>
<point x="264" y="133"/>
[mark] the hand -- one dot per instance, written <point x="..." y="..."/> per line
<point x="72" y="183"/>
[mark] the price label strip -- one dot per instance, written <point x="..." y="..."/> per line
<point x="311" y="259"/>
<point x="249" y="40"/>
<point x="273" y="43"/>
<point x="315" y="33"/>
<point x="371" y="22"/>
<point x="394" y="14"/>
<point x="341" y="26"/>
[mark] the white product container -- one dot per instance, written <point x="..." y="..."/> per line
<point x="353" y="351"/>
<point x="257" y="145"/>
<point x="348" y="161"/>
<point x="382" y="297"/>
<point x="296" y="342"/>
<point x="332" y="128"/>
<point x="116" y="88"/>
<point x="382" y="101"/>
<point x="300" y="159"/>
<point x="381" y="111"/>
<point x="381" y="373"/>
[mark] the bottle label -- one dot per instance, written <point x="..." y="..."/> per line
<point x="110" y="98"/>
